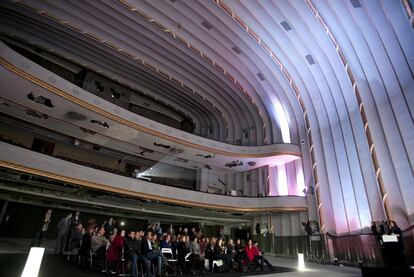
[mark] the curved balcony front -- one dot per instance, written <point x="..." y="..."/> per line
<point x="24" y="160"/>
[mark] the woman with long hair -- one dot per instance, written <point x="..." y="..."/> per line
<point x="116" y="250"/>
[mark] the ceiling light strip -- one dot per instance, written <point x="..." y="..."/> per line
<point x="364" y="118"/>
<point x="118" y="49"/>
<point x="99" y="186"/>
<point x="197" y="51"/>
<point x="291" y="82"/>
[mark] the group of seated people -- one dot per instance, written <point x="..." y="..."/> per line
<point x="155" y="253"/>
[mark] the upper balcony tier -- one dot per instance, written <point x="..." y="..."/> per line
<point x="46" y="99"/>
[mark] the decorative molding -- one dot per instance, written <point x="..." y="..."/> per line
<point x="226" y="9"/>
<point x="364" y="118"/>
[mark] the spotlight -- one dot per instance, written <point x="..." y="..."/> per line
<point x="122" y="223"/>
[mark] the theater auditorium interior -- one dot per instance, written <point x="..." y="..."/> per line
<point x="206" y="137"/>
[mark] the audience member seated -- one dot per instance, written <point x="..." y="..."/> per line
<point x="155" y="257"/>
<point x="113" y="235"/>
<point x="174" y="246"/>
<point x="85" y="247"/>
<point x="115" y="251"/>
<point x="230" y="255"/>
<point x="75" y="238"/>
<point x="182" y="251"/>
<point x="155" y="243"/>
<point x="99" y="241"/>
<point x="264" y="261"/>
<point x="240" y="255"/>
<point x="203" y="246"/>
<point x="196" y="261"/>
<point x="255" y="257"/>
<point x="143" y="249"/>
<point x="214" y="252"/>
<point x="98" y="246"/>
<point x="141" y="259"/>
<point x="165" y="242"/>
<point x="131" y="249"/>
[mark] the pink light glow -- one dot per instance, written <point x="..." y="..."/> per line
<point x="272" y="181"/>
<point x="300" y="179"/>
<point x="282" y="180"/>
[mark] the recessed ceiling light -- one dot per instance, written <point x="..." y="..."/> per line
<point x="207" y="25"/>
<point x="356" y="3"/>
<point x="236" y="49"/>
<point x="310" y="59"/>
<point x="285" y="26"/>
<point x="261" y="77"/>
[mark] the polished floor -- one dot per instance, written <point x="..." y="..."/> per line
<point x="13" y="254"/>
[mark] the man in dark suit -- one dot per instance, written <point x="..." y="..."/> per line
<point x="152" y="255"/>
<point x="62" y="233"/>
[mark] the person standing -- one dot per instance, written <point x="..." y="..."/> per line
<point x="399" y="255"/>
<point x="109" y="227"/>
<point x="62" y="233"/>
<point x="42" y="230"/>
<point x="74" y="222"/>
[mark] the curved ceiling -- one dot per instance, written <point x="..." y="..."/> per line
<point x="342" y="71"/>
